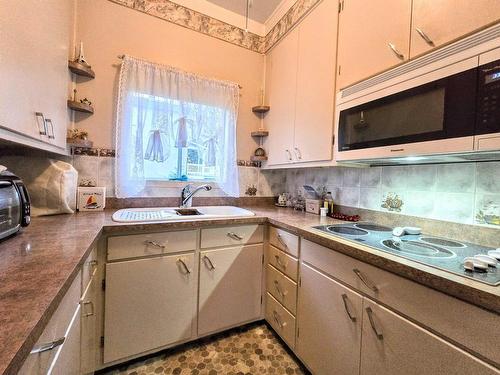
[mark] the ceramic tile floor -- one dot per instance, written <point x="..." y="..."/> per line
<point x="252" y="349"/>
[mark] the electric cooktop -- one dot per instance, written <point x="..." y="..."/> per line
<point x="441" y="253"/>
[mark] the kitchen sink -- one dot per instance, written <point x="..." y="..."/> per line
<point x="137" y="215"/>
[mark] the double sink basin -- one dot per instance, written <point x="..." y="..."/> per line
<point x="134" y="215"/>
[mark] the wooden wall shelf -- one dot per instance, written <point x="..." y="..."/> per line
<point x="260" y="133"/>
<point x="80" y="107"/>
<point x="85" y="143"/>
<point x="81" y="69"/>
<point x="261" y="109"/>
<point x="258" y="158"/>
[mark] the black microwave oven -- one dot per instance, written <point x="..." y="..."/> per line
<point x="464" y="104"/>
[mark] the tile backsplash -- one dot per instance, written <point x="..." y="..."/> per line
<point x="464" y="193"/>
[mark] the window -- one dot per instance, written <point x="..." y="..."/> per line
<point x="174" y="126"/>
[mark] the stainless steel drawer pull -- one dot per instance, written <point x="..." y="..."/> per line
<point x="234" y="236"/>
<point x="153" y="243"/>
<point x="278" y="289"/>
<point x="346" y="307"/>
<point x="298" y="154"/>
<point x="208" y="263"/>
<point x="289" y="154"/>
<point x="88" y="303"/>
<point x="397" y="150"/>
<point x="42" y="131"/>
<point x="369" y="312"/>
<point x="51" y="135"/>
<point x="184" y="266"/>
<point x="278" y="320"/>
<point x="424" y="36"/>
<point x="281" y="240"/>
<point x="48" y="346"/>
<point x="280" y="262"/>
<point x="365" y="281"/>
<point x="396" y="52"/>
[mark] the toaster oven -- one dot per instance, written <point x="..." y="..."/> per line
<point x="14" y="204"/>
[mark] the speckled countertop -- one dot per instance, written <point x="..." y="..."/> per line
<point x="39" y="264"/>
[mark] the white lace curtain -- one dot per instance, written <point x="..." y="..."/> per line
<point x="160" y="109"/>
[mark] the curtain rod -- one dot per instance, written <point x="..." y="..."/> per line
<point x="121" y="57"/>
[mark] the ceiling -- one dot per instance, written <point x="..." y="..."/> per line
<point x="260" y="10"/>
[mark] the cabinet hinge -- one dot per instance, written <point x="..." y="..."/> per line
<point x="261" y="299"/>
<point x="300" y="281"/>
<point x="262" y="258"/>
<point x="298" y="332"/>
<point x="333" y="139"/>
<point x="103" y="284"/>
<point x="341" y="5"/>
<point x="102" y="341"/>
<point x="339" y="70"/>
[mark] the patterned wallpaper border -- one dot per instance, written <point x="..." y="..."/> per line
<point x="193" y="20"/>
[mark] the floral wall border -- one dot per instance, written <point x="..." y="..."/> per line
<point x="196" y="21"/>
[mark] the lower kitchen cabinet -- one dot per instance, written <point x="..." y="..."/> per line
<point x="89" y="332"/>
<point x="329" y="324"/>
<point x="149" y="303"/>
<point x="230" y="287"/>
<point x="67" y="358"/>
<point x="393" y="345"/>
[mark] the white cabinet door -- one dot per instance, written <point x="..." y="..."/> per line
<point x="149" y="303"/>
<point x="281" y="80"/>
<point x="230" y="287"/>
<point x="314" y="107"/>
<point x="89" y="339"/>
<point x="67" y="359"/>
<point x="393" y="345"/>
<point x="34" y="51"/>
<point x="329" y="324"/>
<point x="462" y="17"/>
<point x="366" y="30"/>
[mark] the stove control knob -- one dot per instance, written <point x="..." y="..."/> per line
<point x="495" y="253"/>
<point x="398" y="231"/>
<point x="472" y="264"/>
<point x="489" y="260"/>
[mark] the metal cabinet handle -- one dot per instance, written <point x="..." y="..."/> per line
<point x="48" y="346"/>
<point x="397" y="149"/>
<point x="289" y="154"/>
<point x="346" y="307"/>
<point x="396" y="52"/>
<point x="369" y="312"/>
<point x="208" y="262"/>
<point x="278" y="289"/>
<point x="278" y="320"/>
<point x="184" y="266"/>
<point x="156" y="244"/>
<point x="234" y="236"/>
<point x="298" y="154"/>
<point x="281" y="240"/>
<point x="424" y="36"/>
<point x="44" y="130"/>
<point x="280" y="263"/>
<point x="51" y="135"/>
<point x="365" y="281"/>
<point x="85" y="303"/>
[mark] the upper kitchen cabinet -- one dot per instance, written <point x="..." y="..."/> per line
<point x="34" y="51"/>
<point x="462" y="17"/>
<point x="281" y="81"/>
<point x="300" y="89"/>
<point x="373" y="36"/>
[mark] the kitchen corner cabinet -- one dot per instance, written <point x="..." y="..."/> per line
<point x="149" y="304"/>
<point x="300" y="89"/>
<point x="35" y="44"/>
<point x="230" y="287"/>
<point x="393" y="345"/>
<point x="329" y="317"/>
<point x="436" y="23"/>
<point x="373" y="36"/>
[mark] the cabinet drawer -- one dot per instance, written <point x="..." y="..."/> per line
<point x="284" y="240"/>
<point x="281" y="320"/>
<point x="283" y="262"/>
<point x="230" y="236"/>
<point x="88" y="269"/>
<point x="282" y="288"/>
<point x="139" y="245"/>
<point x="452" y="318"/>
<point x="39" y="361"/>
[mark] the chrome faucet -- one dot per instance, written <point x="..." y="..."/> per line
<point x="187" y="194"/>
